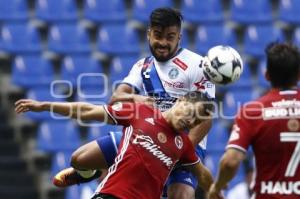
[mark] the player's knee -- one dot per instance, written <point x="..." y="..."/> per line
<point x="181" y="191"/>
<point x="77" y="159"/>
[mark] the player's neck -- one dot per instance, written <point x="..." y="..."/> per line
<point x="167" y="116"/>
<point x="284" y="89"/>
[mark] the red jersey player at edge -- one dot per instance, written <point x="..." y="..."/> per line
<point x="152" y="142"/>
<point x="271" y="125"/>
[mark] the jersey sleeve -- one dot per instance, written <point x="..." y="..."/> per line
<point x="199" y="81"/>
<point x="134" y="78"/>
<point x="121" y="113"/>
<point x="189" y="156"/>
<point x="243" y="130"/>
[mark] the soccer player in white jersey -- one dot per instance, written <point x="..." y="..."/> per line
<point x="271" y="125"/>
<point x="169" y="73"/>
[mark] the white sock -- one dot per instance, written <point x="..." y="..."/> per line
<point x="86" y="173"/>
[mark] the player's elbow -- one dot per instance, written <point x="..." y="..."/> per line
<point x="229" y="163"/>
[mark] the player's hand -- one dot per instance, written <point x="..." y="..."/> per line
<point x="25" y="105"/>
<point x="144" y="99"/>
<point x="214" y="193"/>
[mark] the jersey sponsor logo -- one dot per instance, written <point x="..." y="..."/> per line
<point x="147" y="143"/>
<point x="178" y="142"/>
<point x="280" y="113"/>
<point x="285" y="103"/>
<point x="293" y="125"/>
<point x="162" y="137"/>
<point x="150" y="120"/>
<point x="203" y="84"/>
<point x="180" y="63"/>
<point x="117" y="106"/>
<point x="277" y="187"/>
<point x="173" y="84"/>
<point x="173" y="73"/>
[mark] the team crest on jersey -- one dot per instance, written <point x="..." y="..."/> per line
<point x="173" y="73"/>
<point x="178" y="142"/>
<point x="293" y="125"/>
<point x="117" y="106"/>
<point x="162" y="137"/>
<point x="235" y="133"/>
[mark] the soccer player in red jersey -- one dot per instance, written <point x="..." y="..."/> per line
<point x="271" y="125"/>
<point x="153" y="142"/>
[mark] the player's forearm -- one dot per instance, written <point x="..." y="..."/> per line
<point x="204" y="176"/>
<point x="77" y="110"/>
<point x="206" y="179"/>
<point x="227" y="171"/>
<point x="197" y="134"/>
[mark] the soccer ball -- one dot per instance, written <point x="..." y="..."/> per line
<point x="226" y="65"/>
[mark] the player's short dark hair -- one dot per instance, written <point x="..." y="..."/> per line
<point x="283" y="64"/>
<point x="196" y="96"/>
<point x="165" y="17"/>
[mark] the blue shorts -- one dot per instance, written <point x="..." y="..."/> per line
<point x="109" y="146"/>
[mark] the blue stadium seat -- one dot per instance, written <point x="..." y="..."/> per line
<point x="42" y="94"/>
<point x="212" y="35"/>
<point x="102" y="11"/>
<point x="60" y="161"/>
<point x="246" y="80"/>
<point x="251" y="11"/>
<point x="261" y="70"/>
<point x="185" y="39"/>
<point x="118" y="39"/>
<point x="82" y="191"/>
<point x="82" y="69"/>
<point x="217" y="137"/>
<point x="120" y="67"/>
<point x="296" y="37"/>
<point x="212" y="160"/>
<point x="69" y="39"/>
<point x="195" y="11"/>
<point x="54" y="136"/>
<point x="54" y="11"/>
<point x="20" y="38"/>
<point x="32" y="71"/>
<point x="95" y="95"/>
<point x="233" y="100"/>
<point x="289" y="11"/>
<point x="142" y="9"/>
<point x="13" y="11"/>
<point x="101" y="129"/>
<point x="257" y="37"/>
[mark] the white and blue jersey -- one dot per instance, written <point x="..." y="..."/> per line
<point x="167" y="81"/>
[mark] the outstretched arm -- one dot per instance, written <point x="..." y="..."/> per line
<point x="125" y="92"/>
<point x="77" y="110"/>
<point x="205" y="178"/>
<point x="229" y="165"/>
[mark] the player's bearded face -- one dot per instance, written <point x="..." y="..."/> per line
<point x="163" y="43"/>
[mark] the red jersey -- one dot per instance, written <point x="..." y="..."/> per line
<point x="272" y="126"/>
<point x="149" y="149"/>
